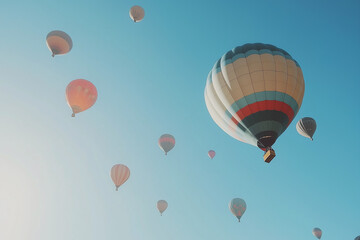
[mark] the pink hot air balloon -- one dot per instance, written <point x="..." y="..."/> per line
<point x="119" y="174"/>
<point x="211" y="154"/>
<point x="80" y="95"/>
<point x="161" y="206"/>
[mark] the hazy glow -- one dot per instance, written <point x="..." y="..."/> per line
<point x="150" y="77"/>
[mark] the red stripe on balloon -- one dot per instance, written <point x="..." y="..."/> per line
<point x="167" y="139"/>
<point x="263" y="106"/>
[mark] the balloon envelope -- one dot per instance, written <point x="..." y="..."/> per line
<point x="237" y="207"/>
<point x="211" y="154"/>
<point x="357" y="238"/>
<point x="119" y="174"/>
<point x="161" y="206"/>
<point x="306" y="127"/>
<point x="253" y="93"/>
<point x="317" y="232"/>
<point x="80" y="95"/>
<point x="59" y="42"/>
<point x="166" y="142"/>
<point x="137" y="13"/>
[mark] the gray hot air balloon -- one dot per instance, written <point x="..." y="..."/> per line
<point x="237" y="207"/>
<point x="357" y="238"/>
<point x="137" y="13"/>
<point x="59" y="42"/>
<point x="161" y="206"/>
<point x="306" y="127"/>
<point x="166" y="142"/>
<point x="317" y="232"/>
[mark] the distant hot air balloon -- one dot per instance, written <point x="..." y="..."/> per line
<point x="59" y="42"/>
<point x="161" y="206"/>
<point x="317" y="232"/>
<point x="166" y="142"/>
<point x="80" y="95"/>
<point x="137" y="13"/>
<point x="237" y="207"/>
<point x="211" y="154"/>
<point x="119" y="174"/>
<point x="357" y="238"/>
<point x="253" y="93"/>
<point x="306" y="127"/>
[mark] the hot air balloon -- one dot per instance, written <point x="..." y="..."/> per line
<point x="253" y="93"/>
<point x="58" y="42"/>
<point x="357" y="238"/>
<point x="211" y="154"/>
<point x="137" y="13"/>
<point x="119" y="174"/>
<point x="306" y="127"/>
<point x="237" y="207"/>
<point x="317" y="232"/>
<point x="166" y="142"/>
<point x="80" y="95"/>
<point x="161" y="206"/>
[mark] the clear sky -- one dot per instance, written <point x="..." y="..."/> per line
<point x="150" y="77"/>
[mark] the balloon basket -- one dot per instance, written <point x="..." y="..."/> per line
<point x="269" y="155"/>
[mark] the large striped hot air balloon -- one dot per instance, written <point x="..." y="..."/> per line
<point x="80" y="95"/>
<point x="119" y="174"/>
<point x="253" y="93"/>
<point x="59" y="42"/>
<point x="317" y="232"/>
<point x="237" y="207"/>
<point x="166" y="142"/>
<point x="161" y="206"/>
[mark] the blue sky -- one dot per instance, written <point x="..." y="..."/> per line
<point x="150" y="77"/>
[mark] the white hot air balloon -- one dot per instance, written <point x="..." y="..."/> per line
<point x="137" y="13"/>
<point x="161" y="206"/>
<point x="306" y="127"/>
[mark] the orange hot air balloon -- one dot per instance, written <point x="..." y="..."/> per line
<point x="119" y="174"/>
<point x="59" y="42"/>
<point x="80" y="95"/>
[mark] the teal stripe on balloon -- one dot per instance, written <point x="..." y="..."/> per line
<point x="267" y="126"/>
